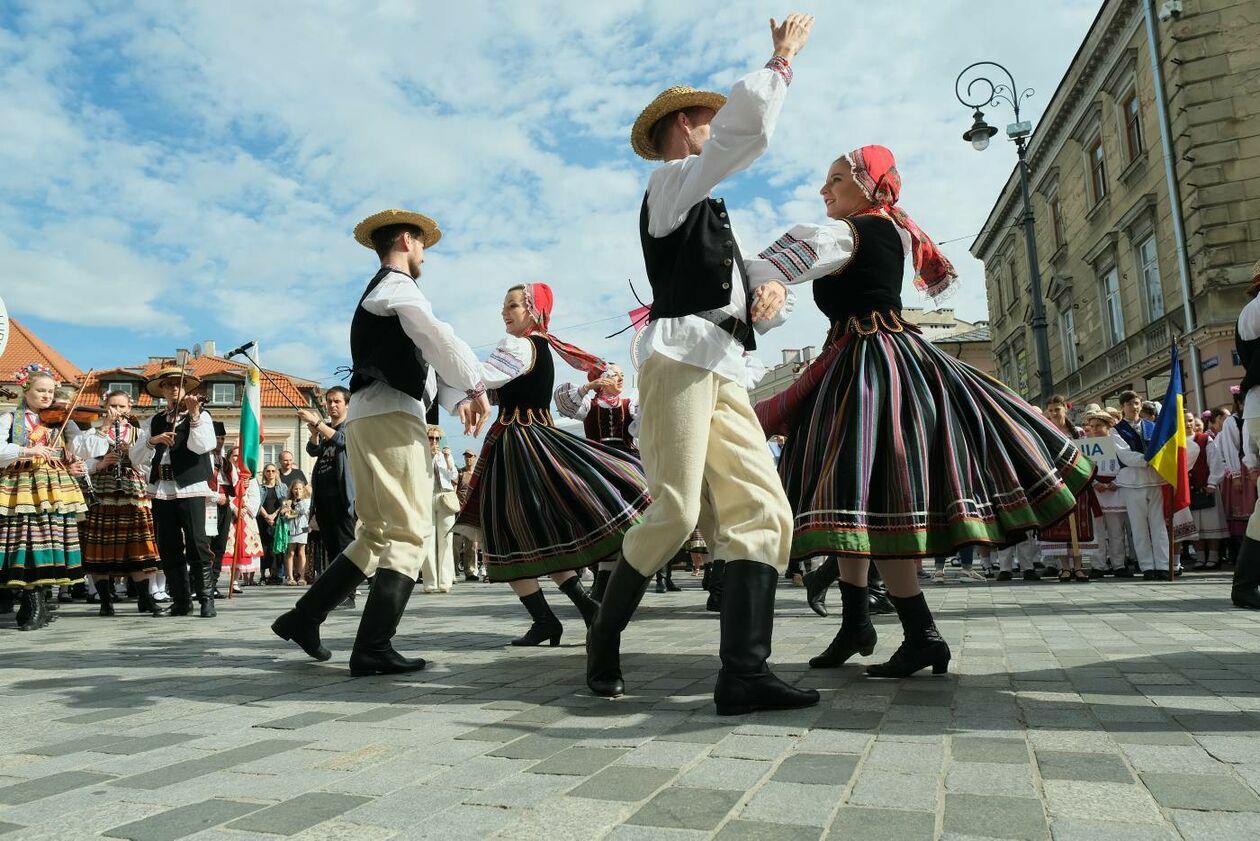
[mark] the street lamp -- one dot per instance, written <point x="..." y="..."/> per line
<point x="978" y="136"/>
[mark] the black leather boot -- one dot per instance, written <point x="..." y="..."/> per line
<point x="30" y="612"/>
<point x="105" y="592"/>
<point x="856" y="635"/>
<point x="587" y="606"/>
<point x="660" y="581"/>
<point x="601" y="584"/>
<point x="603" y="640"/>
<point x="1246" y="590"/>
<point x="373" y="652"/>
<point x="716" y="575"/>
<point x="145" y="601"/>
<point x="6" y="600"/>
<point x="546" y="627"/>
<point x="48" y="606"/>
<point x="818" y="581"/>
<point x="177" y="587"/>
<point x="301" y="624"/>
<point x="669" y="579"/>
<point x="205" y="588"/>
<point x="880" y="603"/>
<point x="745" y="682"/>
<point x="923" y="645"/>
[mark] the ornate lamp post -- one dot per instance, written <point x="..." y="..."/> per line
<point x="978" y="136"/>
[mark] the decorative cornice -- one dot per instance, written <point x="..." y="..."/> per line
<point x="1105" y="243"/>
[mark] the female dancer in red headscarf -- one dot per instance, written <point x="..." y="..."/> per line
<point x="542" y="501"/>
<point x="895" y="450"/>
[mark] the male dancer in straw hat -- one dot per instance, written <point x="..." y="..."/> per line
<point x="176" y="444"/>
<point x="1246" y="590"/>
<point x="403" y="359"/>
<point x="698" y="434"/>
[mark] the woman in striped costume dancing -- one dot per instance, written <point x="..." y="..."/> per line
<point x="895" y="450"/>
<point x="542" y="501"/>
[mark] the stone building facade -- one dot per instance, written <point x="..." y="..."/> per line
<point x="1107" y="254"/>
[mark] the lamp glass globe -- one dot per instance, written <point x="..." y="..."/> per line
<point x="980" y="142"/>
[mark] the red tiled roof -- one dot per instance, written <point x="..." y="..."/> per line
<point x="274" y="389"/>
<point x="25" y="347"/>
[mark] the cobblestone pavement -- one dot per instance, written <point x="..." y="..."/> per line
<point x="1112" y="710"/>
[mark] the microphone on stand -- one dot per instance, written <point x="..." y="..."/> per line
<point x="238" y="351"/>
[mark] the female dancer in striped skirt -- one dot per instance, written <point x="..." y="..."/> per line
<point x="118" y="532"/>
<point x="40" y="502"/>
<point x="542" y="501"/>
<point x="895" y="450"/>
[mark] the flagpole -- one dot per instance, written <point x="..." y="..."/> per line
<point x="240" y="519"/>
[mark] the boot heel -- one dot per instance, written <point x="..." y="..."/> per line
<point x="867" y="651"/>
<point x="940" y="667"/>
<point x="555" y="640"/>
<point x="734" y="709"/>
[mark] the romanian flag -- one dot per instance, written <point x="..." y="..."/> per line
<point x="1167" y="450"/>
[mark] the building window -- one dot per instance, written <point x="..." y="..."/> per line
<point x="1056" y="221"/>
<point x="1012" y="281"/>
<point x="1148" y="265"/>
<point x="1097" y="171"/>
<point x="997" y="294"/>
<point x="1067" y="335"/>
<point x="1133" y="142"/>
<point x="271" y="454"/>
<point x="125" y="387"/>
<point x="1021" y="366"/>
<point x="222" y="394"/>
<point x="1113" y="315"/>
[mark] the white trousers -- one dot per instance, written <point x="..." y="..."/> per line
<point x="438" y="568"/>
<point x="1110" y="531"/>
<point x="1025" y="553"/>
<point x="1145" y="507"/>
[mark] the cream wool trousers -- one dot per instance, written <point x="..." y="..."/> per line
<point x="700" y="440"/>
<point x="438" y="568"/>
<point x="392" y="469"/>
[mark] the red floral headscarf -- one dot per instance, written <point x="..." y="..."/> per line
<point x="875" y="171"/>
<point x="539" y="300"/>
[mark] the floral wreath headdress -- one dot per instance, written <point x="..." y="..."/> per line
<point x="23" y="376"/>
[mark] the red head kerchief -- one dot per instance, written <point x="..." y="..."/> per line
<point x="539" y="300"/>
<point x="875" y="171"/>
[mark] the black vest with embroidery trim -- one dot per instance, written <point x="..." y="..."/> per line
<point x="692" y="267"/>
<point x="381" y="351"/>
<point x="531" y="390"/>
<point x="871" y="280"/>
<point x="188" y="467"/>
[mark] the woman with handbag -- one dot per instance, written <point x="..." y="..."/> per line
<point x="438" y="567"/>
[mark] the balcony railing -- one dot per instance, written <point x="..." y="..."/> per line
<point x="1151" y="340"/>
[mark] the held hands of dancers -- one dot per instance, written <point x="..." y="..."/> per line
<point x="768" y="299"/>
<point x="473" y="413"/>
<point x="791" y="35"/>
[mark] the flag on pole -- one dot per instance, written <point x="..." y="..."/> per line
<point x="250" y="447"/>
<point x="1166" y="453"/>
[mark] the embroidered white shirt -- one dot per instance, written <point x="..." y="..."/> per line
<point x="201" y="440"/>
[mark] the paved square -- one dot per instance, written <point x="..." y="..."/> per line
<point x="1108" y="711"/>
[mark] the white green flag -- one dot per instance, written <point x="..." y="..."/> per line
<point x="251" y="415"/>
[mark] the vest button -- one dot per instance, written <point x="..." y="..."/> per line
<point x="722" y="215"/>
<point x="726" y="286"/>
<point x="729" y="243"/>
<point x="727" y="262"/>
<point x="726" y="225"/>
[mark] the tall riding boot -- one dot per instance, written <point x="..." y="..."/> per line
<point x="206" y="578"/>
<point x="856" y="634"/>
<point x="145" y="601"/>
<point x="669" y="579"/>
<point x="373" y="653"/>
<point x="30" y="614"/>
<point x="745" y="682"/>
<point x="705" y="575"/>
<point x="716" y="576"/>
<point x="603" y="641"/>
<point x="660" y="580"/>
<point x="105" y="591"/>
<point x="301" y="624"/>
<point x="546" y="627"/>
<point x="6" y="600"/>
<point x="177" y="587"/>
<point x="923" y="645"/>
<point x="1246" y="589"/>
<point x="818" y="581"/>
<point x="587" y="606"/>
<point x="601" y="584"/>
<point x="880" y="603"/>
<point x="48" y="606"/>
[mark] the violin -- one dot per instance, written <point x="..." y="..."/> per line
<point x="82" y="415"/>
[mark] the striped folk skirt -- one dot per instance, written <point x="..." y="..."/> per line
<point x="118" y="532"/>
<point x="897" y="450"/>
<point x="39" y="536"/>
<point x="543" y="501"/>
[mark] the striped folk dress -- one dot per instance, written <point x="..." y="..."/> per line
<point x="542" y="500"/>
<point x="40" y="503"/>
<point x="897" y="450"/>
<point x="118" y="531"/>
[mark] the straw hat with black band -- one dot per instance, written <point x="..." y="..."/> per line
<point x="428" y="227"/>
<point x="1095" y="412"/>
<point x="191" y="383"/>
<point x="667" y="102"/>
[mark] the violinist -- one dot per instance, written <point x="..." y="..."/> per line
<point x="173" y="449"/>
<point x="117" y="535"/>
<point x="39" y="502"/>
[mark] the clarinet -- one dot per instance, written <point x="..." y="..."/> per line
<point x="118" y="465"/>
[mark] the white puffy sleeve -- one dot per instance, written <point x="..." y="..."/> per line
<point x="511" y="358"/>
<point x="804" y="253"/>
<point x="1216" y="462"/>
<point x="572" y="403"/>
<point x="9" y="453"/>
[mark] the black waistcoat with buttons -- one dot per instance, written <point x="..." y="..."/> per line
<point x="531" y="390"/>
<point x="692" y="267"/>
<point x="188" y="467"/>
<point x="381" y="351"/>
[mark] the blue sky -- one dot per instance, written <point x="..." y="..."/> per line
<point x="176" y="172"/>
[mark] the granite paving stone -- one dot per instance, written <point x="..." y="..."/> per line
<point x="41" y="787"/>
<point x="184" y="821"/>
<point x="881" y="825"/>
<point x="746" y="830"/>
<point x="793" y="803"/>
<point x="1201" y="791"/>
<point x="1092" y="767"/>
<point x="686" y="808"/>
<point x="623" y="782"/>
<point x="995" y="816"/>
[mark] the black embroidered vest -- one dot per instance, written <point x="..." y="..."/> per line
<point x="188" y="467"/>
<point x="381" y="351"/>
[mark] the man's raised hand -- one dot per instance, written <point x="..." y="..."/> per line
<point x="790" y="36"/>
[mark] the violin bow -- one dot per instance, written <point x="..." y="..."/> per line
<point x="70" y="409"/>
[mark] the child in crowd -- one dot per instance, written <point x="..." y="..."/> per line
<point x="297" y="511"/>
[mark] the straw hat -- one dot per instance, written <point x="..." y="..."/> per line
<point x="1095" y="412"/>
<point x="190" y="382"/>
<point x="667" y="102"/>
<point x="363" y="230"/>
